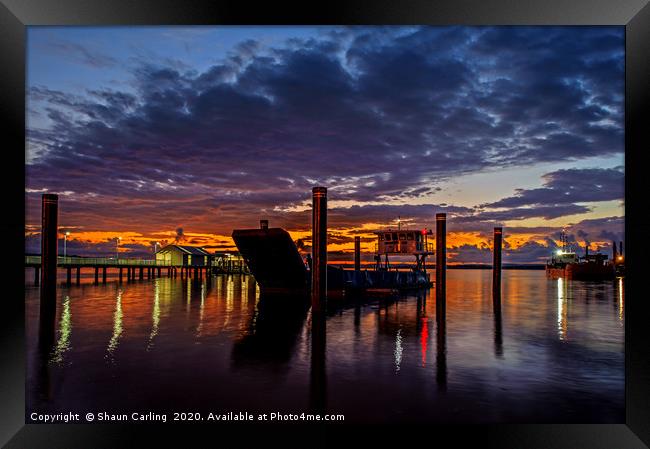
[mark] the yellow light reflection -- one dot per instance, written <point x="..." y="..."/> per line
<point x="65" y="328"/>
<point x="155" y="314"/>
<point x="117" y="327"/>
<point x="621" y="307"/>
<point x="189" y="295"/>
<point x="561" y="308"/>
<point x="230" y="296"/>
<point x="201" y="307"/>
<point x="398" y="349"/>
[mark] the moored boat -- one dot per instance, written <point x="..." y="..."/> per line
<point x="565" y="263"/>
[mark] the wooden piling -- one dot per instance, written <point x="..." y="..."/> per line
<point x="141" y="274"/>
<point x="357" y="253"/>
<point x="49" y="250"/>
<point x="96" y="275"/>
<point x="121" y="274"/>
<point x="78" y="275"/>
<point x="68" y="276"/>
<point x="441" y="255"/>
<point x="37" y="274"/>
<point x="496" y="262"/>
<point x="103" y="275"/>
<point x="319" y="249"/>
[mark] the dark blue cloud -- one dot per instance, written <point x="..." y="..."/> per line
<point x="564" y="187"/>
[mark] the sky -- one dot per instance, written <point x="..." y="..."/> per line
<point x="182" y="134"/>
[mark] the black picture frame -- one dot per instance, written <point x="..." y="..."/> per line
<point x="15" y="15"/>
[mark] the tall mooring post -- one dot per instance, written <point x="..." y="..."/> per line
<point x="357" y="253"/>
<point x="319" y="249"/>
<point x="49" y="240"/>
<point x="441" y="255"/>
<point x="49" y="250"/>
<point x="496" y="263"/>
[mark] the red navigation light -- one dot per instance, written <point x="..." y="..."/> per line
<point x="424" y="232"/>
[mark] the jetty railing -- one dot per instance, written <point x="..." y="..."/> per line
<point x="103" y="261"/>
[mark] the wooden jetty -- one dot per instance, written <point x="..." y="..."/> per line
<point x="134" y="269"/>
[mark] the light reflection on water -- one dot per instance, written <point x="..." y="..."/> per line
<point x="548" y="351"/>
<point x="117" y="328"/>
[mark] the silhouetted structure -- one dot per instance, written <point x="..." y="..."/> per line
<point x="49" y="245"/>
<point x="319" y="249"/>
<point x="357" y="253"/>
<point x="496" y="262"/>
<point x="441" y="255"/>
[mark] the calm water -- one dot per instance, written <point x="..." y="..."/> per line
<point x="554" y="353"/>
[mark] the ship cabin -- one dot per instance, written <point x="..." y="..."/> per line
<point x="403" y="242"/>
<point x="184" y="255"/>
<point x="563" y="257"/>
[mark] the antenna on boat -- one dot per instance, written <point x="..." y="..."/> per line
<point x="399" y="223"/>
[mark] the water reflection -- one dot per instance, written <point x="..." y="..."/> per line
<point x="424" y="339"/>
<point x="498" y="331"/>
<point x="366" y="359"/>
<point x="65" y="328"/>
<point x="318" y="376"/>
<point x="271" y="335"/>
<point x="621" y="311"/>
<point x="398" y="349"/>
<point x="562" y="308"/>
<point x="155" y="314"/>
<point x="201" y="309"/>
<point x="441" y="340"/>
<point x="117" y="328"/>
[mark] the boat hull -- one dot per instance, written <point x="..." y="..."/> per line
<point x="582" y="271"/>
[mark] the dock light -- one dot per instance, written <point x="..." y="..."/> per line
<point x="559" y="252"/>
<point x="65" y="241"/>
<point x="619" y="258"/>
